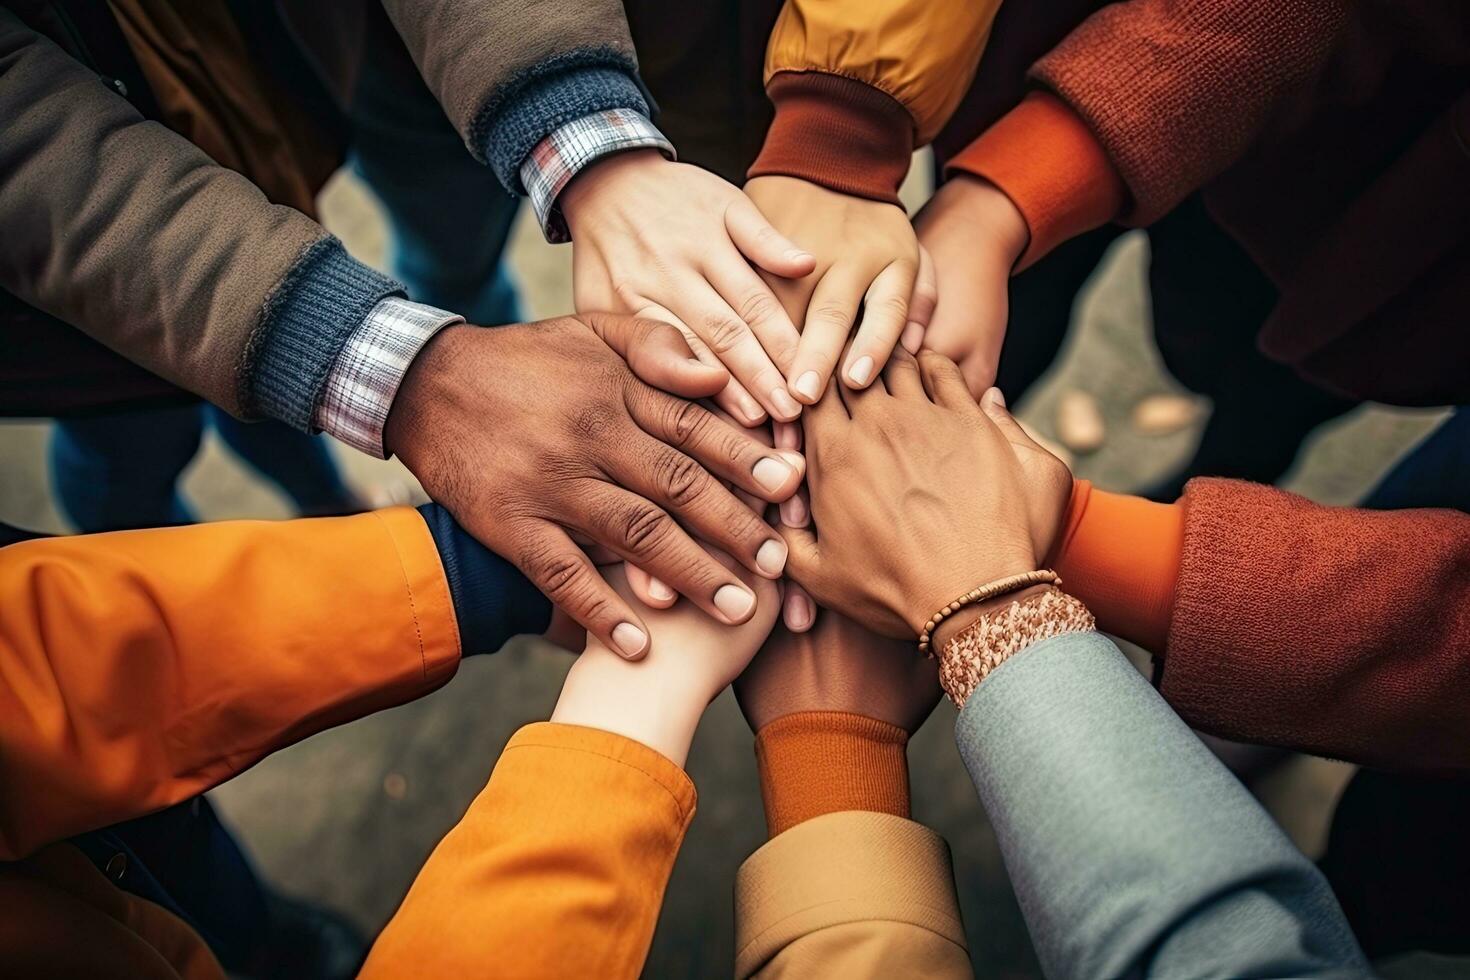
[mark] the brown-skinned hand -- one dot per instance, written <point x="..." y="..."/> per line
<point x="532" y="434"/>
<point x="838" y="666"/>
<point x="918" y="494"/>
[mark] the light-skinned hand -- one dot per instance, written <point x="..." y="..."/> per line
<point x="838" y="666"/>
<point x="672" y="241"/>
<point x="918" y="494"/>
<point x="975" y="235"/>
<point x="866" y="258"/>
<point x="534" y="433"/>
<point x="658" y="700"/>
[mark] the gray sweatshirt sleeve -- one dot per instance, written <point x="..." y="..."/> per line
<point x="1132" y="850"/>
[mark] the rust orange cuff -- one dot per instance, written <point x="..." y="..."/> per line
<point x="843" y="134"/>
<point x="816" y="762"/>
<point x="1120" y="555"/>
<point x="1044" y="158"/>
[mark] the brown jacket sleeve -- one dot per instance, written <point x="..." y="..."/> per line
<point x="852" y="895"/>
<point x="1176" y="91"/>
<point x="127" y="231"/>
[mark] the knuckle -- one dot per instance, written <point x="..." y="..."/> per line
<point x="890" y="306"/>
<point x="723" y="334"/>
<point x="831" y="314"/>
<point x="680" y="479"/>
<point x="592" y="422"/>
<point x="758" y="307"/>
<point x="556" y="573"/>
<point x="644" y="527"/>
<point x="687" y="422"/>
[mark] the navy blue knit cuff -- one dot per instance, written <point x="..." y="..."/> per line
<point x="305" y="323"/>
<point x="552" y="93"/>
<point x="493" y="601"/>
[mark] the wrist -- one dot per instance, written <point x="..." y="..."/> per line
<point x="598" y="179"/>
<point x="956" y="624"/>
<point x="632" y="699"/>
<point x="988" y="208"/>
<point x="817" y="762"/>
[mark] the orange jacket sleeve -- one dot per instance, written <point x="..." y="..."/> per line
<point x="139" y="668"/>
<point x="558" y="869"/>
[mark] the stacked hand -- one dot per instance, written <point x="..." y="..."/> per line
<point x="867" y="259"/>
<point x="975" y="235"/>
<point x="838" y="666"/>
<point x="659" y="699"/>
<point x="534" y="434"/>
<point x="671" y="241"/>
<point x="919" y="494"/>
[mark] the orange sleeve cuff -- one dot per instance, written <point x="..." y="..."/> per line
<point x="1120" y="555"/>
<point x="843" y="134"/>
<point x="817" y="762"/>
<point x="1044" y="158"/>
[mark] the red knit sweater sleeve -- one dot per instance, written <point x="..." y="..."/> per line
<point x="1175" y="91"/>
<point x="1333" y="630"/>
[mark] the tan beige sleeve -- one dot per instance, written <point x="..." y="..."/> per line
<point x="851" y="895"/>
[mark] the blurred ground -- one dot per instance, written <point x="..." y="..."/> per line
<point x="348" y="816"/>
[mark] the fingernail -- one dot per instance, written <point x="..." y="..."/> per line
<point x="629" y="639"/>
<point x="735" y="602"/>
<point x="794" y="512"/>
<point x="913" y="337"/>
<point x="772" y="473"/>
<point x="861" y="371"/>
<point x="784" y="403"/>
<point x="798" y="614"/>
<point x="658" y="590"/>
<point x="771" y="558"/>
<point x="997" y="397"/>
<point x="750" y="408"/>
<point x="797" y="255"/>
<point x="810" y="385"/>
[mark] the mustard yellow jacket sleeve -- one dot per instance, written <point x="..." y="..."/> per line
<point x="859" y="84"/>
<point x="139" y="668"/>
<point x="854" y="895"/>
<point x="558" y="869"/>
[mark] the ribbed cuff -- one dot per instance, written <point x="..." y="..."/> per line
<point x="842" y="134"/>
<point x="1044" y="158"/>
<point x="816" y="762"/>
<point x="554" y="93"/>
<point x="1121" y="555"/>
<point x="493" y="601"/>
<point x="304" y="325"/>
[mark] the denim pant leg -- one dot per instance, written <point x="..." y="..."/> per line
<point x="448" y="216"/>
<point x="114" y="472"/>
<point x="300" y="465"/>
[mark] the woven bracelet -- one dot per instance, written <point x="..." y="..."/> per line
<point x="1000" y="587"/>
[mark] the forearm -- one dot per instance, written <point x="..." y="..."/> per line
<point x="1333" y="630"/>
<point x="1176" y="92"/>
<point x="1132" y="850"/>
<point x="131" y="234"/>
<point x="144" y="667"/>
<point x="509" y="73"/>
<point x="557" y="869"/>
<point x="857" y="89"/>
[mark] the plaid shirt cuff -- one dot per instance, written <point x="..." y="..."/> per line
<point x="370" y="367"/>
<point x="571" y="147"/>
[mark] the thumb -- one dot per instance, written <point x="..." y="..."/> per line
<point x="658" y="354"/>
<point x="762" y="244"/>
<point x="993" y="404"/>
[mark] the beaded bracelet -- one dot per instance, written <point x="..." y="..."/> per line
<point x="1015" y="583"/>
